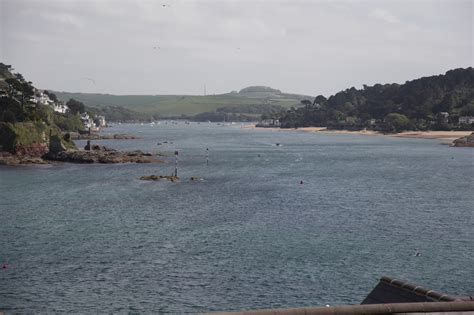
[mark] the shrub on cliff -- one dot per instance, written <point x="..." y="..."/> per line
<point x="10" y="110"/>
<point x="23" y="133"/>
<point x="68" y="122"/>
<point x="29" y="134"/>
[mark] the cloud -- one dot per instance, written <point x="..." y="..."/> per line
<point x="62" y="18"/>
<point x="384" y="15"/>
<point x="313" y="47"/>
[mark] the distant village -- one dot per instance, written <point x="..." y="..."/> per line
<point x="42" y="97"/>
<point x="45" y="98"/>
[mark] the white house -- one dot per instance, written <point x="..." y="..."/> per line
<point x="87" y="120"/>
<point x="466" y="120"/>
<point x="43" y="99"/>
<point x="60" y="108"/>
<point x="269" y="123"/>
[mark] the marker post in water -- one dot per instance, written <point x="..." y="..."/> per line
<point x="176" y="163"/>
<point x="207" y="156"/>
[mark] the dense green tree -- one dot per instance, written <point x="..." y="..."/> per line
<point x="420" y="101"/>
<point x="319" y="100"/>
<point x="467" y="110"/>
<point x="51" y="96"/>
<point x="75" y="106"/>
<point x="20" y="89"/>
<point x="397" y="122"/>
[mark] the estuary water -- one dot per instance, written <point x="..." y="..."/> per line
<point x="315" y="220"/>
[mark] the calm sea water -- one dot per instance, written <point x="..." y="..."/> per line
<point x="93" y="238"/>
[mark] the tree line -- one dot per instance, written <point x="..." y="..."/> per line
<point x="429" y="103"/>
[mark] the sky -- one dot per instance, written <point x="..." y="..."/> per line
<point x="181" y="46"/>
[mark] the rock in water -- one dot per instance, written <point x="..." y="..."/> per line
<point x="102" y="155"/>
<point x="160" y="178"/>
<point x="466" y="141"/>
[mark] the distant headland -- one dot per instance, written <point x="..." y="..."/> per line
<point x="440" y="103"/>
<point x="36" y="127"/>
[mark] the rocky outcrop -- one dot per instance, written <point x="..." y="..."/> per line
<point x="7" y="158"/>
<point x="171" y="178"/>
<point x="24" y="138"/>
<point x="26" y="142"/>
<point x="160" y="178"/>
<point x="101" y="156"/>
<point x="31" y="150"/>
<point x="96" y="136"/>
<point x="96" y="147"/>
<point x="56" y="145"/>
<point x="32" y="138"/>
<point x="120" y="137"/>
<point x="466" y="141"/>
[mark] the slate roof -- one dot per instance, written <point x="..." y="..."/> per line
<point x="390" y="296"/>
<point x="390" y="290"/>
<point x="437" y="308"/>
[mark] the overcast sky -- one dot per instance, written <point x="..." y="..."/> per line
<point x="178" y="46"/>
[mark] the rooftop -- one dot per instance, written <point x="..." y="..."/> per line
<point x="390" y="296"/>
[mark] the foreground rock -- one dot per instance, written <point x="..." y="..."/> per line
<point x="466" y="141"/>
<point x="101" y="156"/>
<point x="7" y="158"/>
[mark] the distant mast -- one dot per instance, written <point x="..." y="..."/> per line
<point x="204" y="90"/>
<point x="176" y="163"/>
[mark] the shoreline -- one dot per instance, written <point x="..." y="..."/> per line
<point x="438" y="135"/>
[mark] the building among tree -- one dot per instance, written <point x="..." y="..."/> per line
<point x="467" y="120"/>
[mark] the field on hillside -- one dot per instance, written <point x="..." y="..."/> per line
<point x="175" y="105"/>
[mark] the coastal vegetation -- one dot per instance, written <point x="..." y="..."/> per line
<point x="429" y="103"/>
<point x="119" y="114"/>
<point x="26" y="126"/>
<point x="36" y="127"/>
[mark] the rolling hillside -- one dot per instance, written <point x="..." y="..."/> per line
<point x="189" y="105"/>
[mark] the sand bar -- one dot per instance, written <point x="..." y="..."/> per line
<point x="444" y="135"/>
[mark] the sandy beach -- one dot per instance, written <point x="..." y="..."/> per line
<point x="442" y="135"/>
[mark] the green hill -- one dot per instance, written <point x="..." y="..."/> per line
<point x="191" y="105"/>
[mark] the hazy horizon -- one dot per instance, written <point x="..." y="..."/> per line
<point x="237" y="90"/>
<point x="145" y="47"/>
